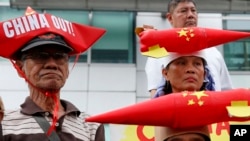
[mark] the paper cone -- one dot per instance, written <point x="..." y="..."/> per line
<point x="184" y="40"/>
<point x="180" y="110"/>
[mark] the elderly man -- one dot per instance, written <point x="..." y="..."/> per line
<point x="43" y="61"/>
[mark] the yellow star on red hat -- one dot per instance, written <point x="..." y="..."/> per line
<point x="182" y="32"/>
<point x="200" y="102"/>
<point x="191" y="102"/>
<point x="184" y="93"/>
<point x="188" y="33"/>
<point x="199" y="94"/>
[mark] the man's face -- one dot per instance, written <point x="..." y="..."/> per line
<point x="185" y="73"/>
<point x="184" y="15"/>
<point x="187" y="137"/>
<point x="46" y="68"/>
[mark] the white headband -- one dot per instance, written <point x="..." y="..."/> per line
<point x="173" y="56"/>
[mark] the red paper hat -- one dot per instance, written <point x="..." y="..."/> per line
<point x="15" y="33"/>
<point x="156" y="43"/>
<point x="183" y="110"/>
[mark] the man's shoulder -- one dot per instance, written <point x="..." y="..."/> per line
<point x="91" y="126"/>
<point x="84" y="115"/>
<point x="153" y="63"/>
<point x="12" y="112"/>
<point x="213" y="55"/>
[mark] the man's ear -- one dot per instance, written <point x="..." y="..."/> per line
<point x="169" y="17"/>
<point x="19" y="67"/>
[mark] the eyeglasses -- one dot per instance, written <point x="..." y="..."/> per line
<point x="42" y="57"/>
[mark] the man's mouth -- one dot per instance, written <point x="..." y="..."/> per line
<point x="191" y="23"/>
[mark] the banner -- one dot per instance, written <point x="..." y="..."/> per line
<point x="117" y="132"/>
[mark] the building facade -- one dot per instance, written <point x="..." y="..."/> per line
<point x="111" y="74"/>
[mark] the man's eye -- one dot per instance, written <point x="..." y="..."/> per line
<point x="59" y="55"/>
<point x="42" y="55"/>
<point x="183" y="11"/>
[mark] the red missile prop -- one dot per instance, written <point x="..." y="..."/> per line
<point x="15" y="33"/>
<point x="156" y="43"/>
<point x="183" y="110"/>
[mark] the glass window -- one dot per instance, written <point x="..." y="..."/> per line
<point x="117" y="45"/>
<point x="237" y="54"/>
<point x="7" y="13"/>
<point x="73" y="16"/>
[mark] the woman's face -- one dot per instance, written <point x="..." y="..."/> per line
<point x="185" y="73"/>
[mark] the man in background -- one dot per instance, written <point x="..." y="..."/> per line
<point x="183" y="13"/>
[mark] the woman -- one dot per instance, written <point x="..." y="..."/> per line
<point x="182" y="72"/>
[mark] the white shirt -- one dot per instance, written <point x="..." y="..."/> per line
<point x="215" y="61"/>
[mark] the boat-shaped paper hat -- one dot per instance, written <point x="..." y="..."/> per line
<point x="15" y="33"/>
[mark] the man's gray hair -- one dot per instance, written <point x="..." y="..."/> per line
<point x="173" y="3"/>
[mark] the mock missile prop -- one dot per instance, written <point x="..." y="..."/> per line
<point x="157" y="43"/>
<point x="183" y="110"/>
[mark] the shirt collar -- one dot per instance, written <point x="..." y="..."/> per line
<point x="30" y="108"/>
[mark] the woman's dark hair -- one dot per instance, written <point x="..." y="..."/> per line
<point x="173" y="3"/>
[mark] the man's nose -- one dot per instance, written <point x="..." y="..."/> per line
<point x="190" y="13"/>
<point x="51" y="63"/>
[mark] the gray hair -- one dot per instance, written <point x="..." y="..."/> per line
<point x="173" y="3"/>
